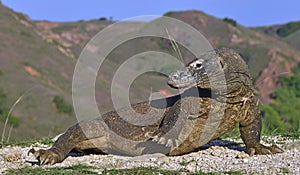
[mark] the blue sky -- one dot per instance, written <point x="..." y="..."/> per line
<point x="246" y="12"/>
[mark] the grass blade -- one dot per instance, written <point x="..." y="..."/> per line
<point x="9" y="113"/>
<point x="174" y="45"/>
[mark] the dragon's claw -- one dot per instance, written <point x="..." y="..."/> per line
<point x="260" y="149"/>
<point x="46" y="156"/>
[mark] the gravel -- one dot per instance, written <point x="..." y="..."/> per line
<point x="217" y="156"/>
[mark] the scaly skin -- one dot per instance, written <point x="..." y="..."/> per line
<point x="208" y="109"/>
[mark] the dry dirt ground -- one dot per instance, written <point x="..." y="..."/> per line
<point x="217" y="156"/>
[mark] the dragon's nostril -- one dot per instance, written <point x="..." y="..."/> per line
<point x="178" y="76"/>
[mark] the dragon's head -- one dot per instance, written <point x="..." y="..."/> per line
<point x="213" y="70"/>
<point x="191" y="75"/>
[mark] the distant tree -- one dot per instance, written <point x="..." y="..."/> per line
<point x="230" y="21"/>
<point x="102" y="19"/>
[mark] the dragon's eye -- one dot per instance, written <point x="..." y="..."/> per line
<point x="198" y="65"/>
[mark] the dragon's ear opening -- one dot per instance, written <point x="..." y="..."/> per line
<point x="221" y="62"/>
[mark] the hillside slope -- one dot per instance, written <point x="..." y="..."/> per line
<point x="267" y="56"/>
<point x="37" y="69"/>
<point x="289" y="33"/>
<point x="37" y="59"/>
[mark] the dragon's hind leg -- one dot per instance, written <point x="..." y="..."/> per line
<point x="250" y="134"/>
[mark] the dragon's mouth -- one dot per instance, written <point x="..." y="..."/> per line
<point x="182" y="78"/>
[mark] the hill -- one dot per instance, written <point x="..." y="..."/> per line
<point x="289" y="33"/>
<point x="37" y="60"/>
<point x="263" y="53"/>
<point x="32" y="67"/>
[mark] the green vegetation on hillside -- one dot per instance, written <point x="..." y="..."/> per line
<point x="280" y="31"/>
<point x="282" y="115"/>
<point x="230" y="21"/>
<point x="288" y="33"/>
<point x="10" y="121"/>
<point x="62" y="105"/>
<point x="287" y="29"/>
<point x="13" y="121"/>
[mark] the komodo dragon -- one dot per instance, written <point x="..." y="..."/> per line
<point x="181" y="127"/>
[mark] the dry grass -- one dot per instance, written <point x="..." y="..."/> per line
<point x="174" y="46"/>
<point x="7" y="119"/>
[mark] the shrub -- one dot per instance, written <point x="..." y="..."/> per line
<point x="13" y="121"/>
<point x="283" y="113"/>
<point x="288" y="29"/>
<point x="102" y="19"/>
<point x="62" y="105"/>
<point x="230" y="21"/>
<point x="6" y="117"/>
<point x="272" y="120"/>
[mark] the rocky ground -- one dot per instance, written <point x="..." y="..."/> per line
<point x="218" y="156"/>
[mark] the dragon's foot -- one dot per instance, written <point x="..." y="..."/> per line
<point x="168" y="142"/>
<point x="50" y="156"/>
<point x="163" y="140"/>
<point x="260" y="149"/>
